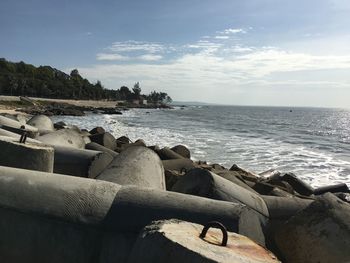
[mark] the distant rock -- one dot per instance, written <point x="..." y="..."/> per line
<point x="112" y="111"/>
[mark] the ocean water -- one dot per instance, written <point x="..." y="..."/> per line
<point x="313" y="143"/>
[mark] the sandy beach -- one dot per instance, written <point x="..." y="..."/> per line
<point x="87" y="103"/>
<point x="7" y="107"/>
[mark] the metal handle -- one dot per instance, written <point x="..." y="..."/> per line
<point x="23" y="137"/>
<point x="215" y="224"/>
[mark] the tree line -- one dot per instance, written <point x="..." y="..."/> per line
<point x="21" y="79"/>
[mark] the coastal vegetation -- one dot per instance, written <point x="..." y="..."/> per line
<point x="21" y="79"/>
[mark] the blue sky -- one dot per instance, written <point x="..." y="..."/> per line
<point x="254" y="52"/>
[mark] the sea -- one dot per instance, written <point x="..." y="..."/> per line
<point x="312" y="143"/>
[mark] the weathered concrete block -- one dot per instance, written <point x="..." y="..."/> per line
<point x="58" y="218"/>
<point x="54" y="218"/>
<point x="179" y="241"/>
<point x="319" y="233"/>
<point x="298" y="185"/>
<point x="16" y="136"/>
<point x="284" y="207"/>
<point x="138" y="142"/>
<point x="178" y="164"/>
<point x="204" y="183"/>
<point x="270" y="174"/>
<point x="42" y="122"/>
<point x="17" y="117"/>
<point x="60" y="125"/>
<point x="7" y="122"/>
<point x="122" y="140"/>
<point x="20" y="131"/>
<point x="28" y="155"/>
<point x="167" y="154"/>
<point x="80" y="162"/>
<point x="247" y="175"/>
<point x="63" y="137"/>
<point x="136" y="165"/>
<point x="97" y="130"/>
<point x="171" y="177"/>
<point x="136" y="207"/>
<point x="335" y="188"/>
<point x="235" y="178"/>
<point x="105" y="139"/>
<point x="29" y="239"/>
<point x="98" y="147"/>
<point x="182" y="150"/>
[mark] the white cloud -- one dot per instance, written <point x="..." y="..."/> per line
<point x="202" y="69"/>
<point x="150" y="57"/>
<point x="105" y="56"/>
<point x="207" y="68"/>
<point x="238" y="49"/>
<point x="222" y="37"/>
<point x="118" y="57"/>
<point x="204" y="46"/>
<point x="241" y="78"/>
<point x="131" y="46"/>
<point x="233" y="31"/>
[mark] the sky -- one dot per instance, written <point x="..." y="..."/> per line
<point x="252" y="52"/>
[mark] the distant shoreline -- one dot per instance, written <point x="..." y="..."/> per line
<point x="14" y="105"/>
<point x="85" y="103"/>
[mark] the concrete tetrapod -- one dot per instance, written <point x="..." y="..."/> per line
<point x="297" y="184"/>
<point x="178" y="164"/>
<point x="136" y="207"/>
<point x="64" y="137"/>
<point x="136" y="165"/>
<point x="175" y="241"/>
<point x="28" y="155"/>
<point x="105" y="139"/>
<point x="167" y="154"/>
<point x="80" y="162"/>
<point x="7" y="122"/>
<point x="97" y="147"/>
<point x="235" y="178"/>
<point x="55" y="218"/>
<point x="49" y="217"/>
<point x="18" y="117"/>
<point x="204" y="183"/>
<point x="319" y="233"/>
<point x="182" y="150"/>
<point x="42" y="122"/>
<point x="20" y="131"/>
<point x="16" y="136"/>
<point x="284" y="207"/>
<point x="341" y="187"/>
<point x="270" y="174"/>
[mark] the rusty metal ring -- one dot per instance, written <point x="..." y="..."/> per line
<point x="216" y="224"/>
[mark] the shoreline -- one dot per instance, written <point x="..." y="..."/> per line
<point x="50" y="107"/>
<point x="95" y="170"/>
<point x="313" y="176"/>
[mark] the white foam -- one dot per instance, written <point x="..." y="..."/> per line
<point x="255" y="153"/>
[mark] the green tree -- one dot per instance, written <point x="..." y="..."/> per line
<point x="137" y="90"/>
<point x="168" y="99"/>
<point x="125" y="93"/>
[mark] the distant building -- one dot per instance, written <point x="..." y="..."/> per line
<point x="143" y="100"/>
<point x="135" y="102"/>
